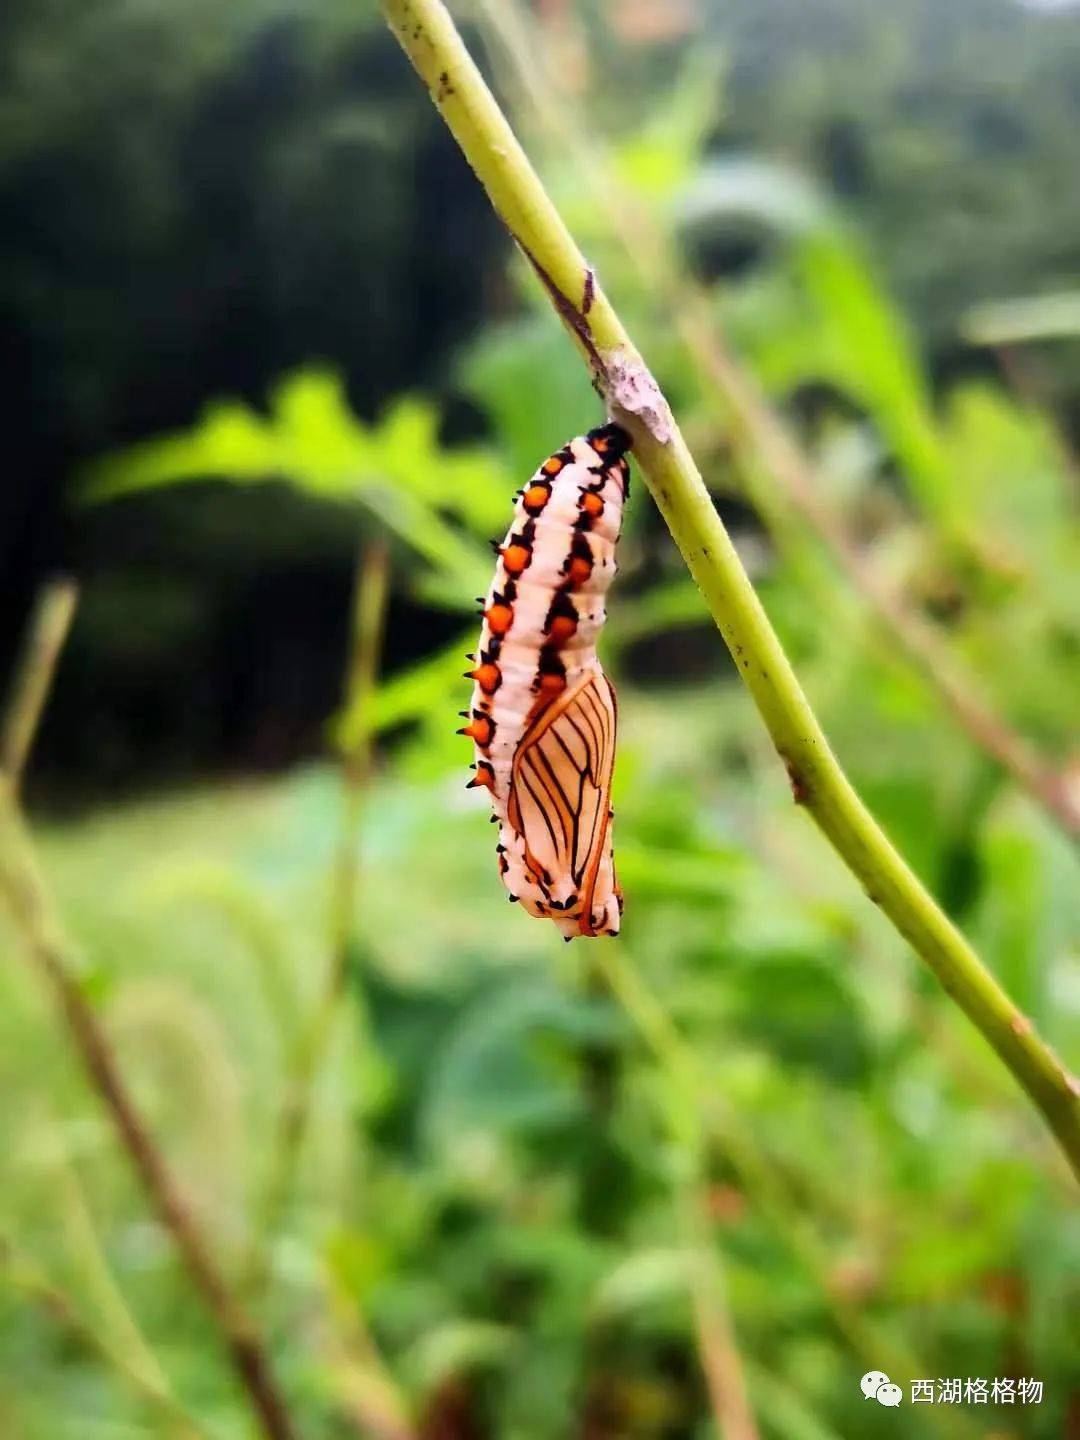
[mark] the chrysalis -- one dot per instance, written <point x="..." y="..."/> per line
<point x="543" y="712"/>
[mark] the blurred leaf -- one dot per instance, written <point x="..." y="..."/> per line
<point x="802" y="1012"/>
<point x="457" y="1347"/>
<point x="505" y="1065"/>
<point x="658" y="159"/>
<point x="738" y="189"/>
<point x="1017" y="321"/>
<point x="518" y="373"/>
<point x="431" y="687"/>
<point x="643" y="1279"/>
<point x="396" y="469"/>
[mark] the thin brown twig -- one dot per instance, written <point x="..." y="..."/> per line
<point x="721" y="1361"/>
<point x="23" y="890"/>
<point x="47" y="632"/>
<point x="759" y="437"/>
<point x="367" y="1393"/>
<point x="714" y="1325"/>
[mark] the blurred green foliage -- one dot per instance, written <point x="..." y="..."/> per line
<point x="925" y="118"/>
<point x="508" y="1134"/>
<point x="492" y="1174"/>
<point x="198" y="200"/>
<point x="395" y="469"/>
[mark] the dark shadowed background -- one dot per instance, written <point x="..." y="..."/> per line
<point x="196" y="199"/>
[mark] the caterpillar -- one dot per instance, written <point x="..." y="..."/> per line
<point x="543" y="714"/>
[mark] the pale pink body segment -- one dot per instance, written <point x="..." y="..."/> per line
<point x="543" y="713"/>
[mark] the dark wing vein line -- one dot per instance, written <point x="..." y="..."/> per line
<point x="573" y="738"/>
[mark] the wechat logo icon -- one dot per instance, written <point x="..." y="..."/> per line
<point x="876" y="1385"/>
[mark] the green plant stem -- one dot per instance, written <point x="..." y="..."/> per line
<point x="762" y="444"/>
<point x="370" y="593"/>
<point x="370" y="1396"/>
<point x="761" y="437"/>
<point x="428" y="36"/>
<point x="370" y="596"/>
